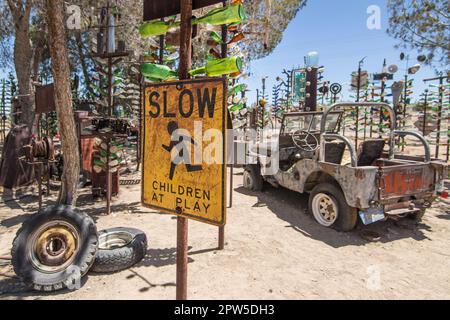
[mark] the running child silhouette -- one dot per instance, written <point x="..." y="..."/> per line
<point x="179" y="146"/>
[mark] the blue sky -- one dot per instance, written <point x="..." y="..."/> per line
<point x="338" y="31"/>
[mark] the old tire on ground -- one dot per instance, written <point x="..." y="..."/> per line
<point x="119" y="249"/>
<point x="330" y="209"/>
<point x="253" y="179"/>
<point x="54" y="249"/>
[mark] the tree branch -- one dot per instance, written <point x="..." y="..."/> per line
<point x="28" y="7"/>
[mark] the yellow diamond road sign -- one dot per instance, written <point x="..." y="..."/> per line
<point x="184" y="149"/>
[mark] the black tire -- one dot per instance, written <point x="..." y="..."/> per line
<point x="253" y="179"/>
<point x="347" y="216"/>
<point x="119" y="249"/>
<point x="58" y="263"/>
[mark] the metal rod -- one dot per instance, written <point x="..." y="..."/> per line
<point x="439" y="122"/>
<point x="40" y="186"/>
<point x="448" y="135"/>
<point x="182" y="258"/>
<point x="161" y="47"/>
<point x="108" y="179"/>
<point x="182" y="223"/>
<point x="224" y="48"/>
<point x="425" y="107"/>
<point x="358" y="89"/>
<point x="139" y="139"/>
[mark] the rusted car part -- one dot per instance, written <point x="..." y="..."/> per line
<point x="54" y="249"/>
<point x="119" y="249"/>
<point x="375" y="185"/>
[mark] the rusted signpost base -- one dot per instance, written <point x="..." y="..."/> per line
<point x="182" y="257"/>
<point x="221" y="237"/>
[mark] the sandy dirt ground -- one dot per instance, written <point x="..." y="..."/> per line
<point x="274" y="250"/>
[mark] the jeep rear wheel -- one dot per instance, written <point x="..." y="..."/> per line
<point x="330" y="209"/>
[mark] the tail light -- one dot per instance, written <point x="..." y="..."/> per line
<point x="444" y="194"/>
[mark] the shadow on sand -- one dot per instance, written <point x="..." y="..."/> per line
<point x="292" y="208"/>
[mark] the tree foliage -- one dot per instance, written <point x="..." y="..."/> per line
<point x="422" y="25"/>
<point x="268" y="19"/>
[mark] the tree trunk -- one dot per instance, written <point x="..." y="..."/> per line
<point x="63" y="99"/>
<point x="22" y="60"/>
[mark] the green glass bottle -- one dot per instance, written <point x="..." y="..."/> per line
<point x="237" y="107"/>
<point x="216" y="37"/>
<point x="227" y="15"/>
<point x="237" y="89"/>
<point x="219" y="67"/>
<point x="157" y="71"/>
<point x="156" y="28"/>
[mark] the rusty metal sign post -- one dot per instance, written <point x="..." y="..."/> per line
<point x="189" y="190"/>
<point x="186" y="119"/>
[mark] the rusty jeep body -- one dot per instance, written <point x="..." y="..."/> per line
<point x="374" y="185"/>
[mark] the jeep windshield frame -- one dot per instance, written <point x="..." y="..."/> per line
<point x="309" y="122"/>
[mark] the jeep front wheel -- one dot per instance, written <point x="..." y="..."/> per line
<point x="252" y="178"/>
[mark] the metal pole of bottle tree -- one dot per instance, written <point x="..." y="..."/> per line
<point x="182" y="223"/>
<point x="383" y="85"/>
<point x="440" y="106"/>
<point x="224" y="53"/>
<point x="263" y="110"/>
<point x="358" y="89"/>
<point x="371" y="111"/>
<point x="110" y="106"/>
<point x="425" y="111"/>
<point x="366" y="98"/>
<point x="439" y="122"/>
<point x="448" y="133"/>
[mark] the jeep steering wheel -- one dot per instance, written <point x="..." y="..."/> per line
<point x="300" y="139"/>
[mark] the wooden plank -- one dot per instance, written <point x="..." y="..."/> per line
<point x="157" y="9"/>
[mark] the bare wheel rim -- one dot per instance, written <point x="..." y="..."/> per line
<point x="114" y="240"/>
<point x="325" y="209"/>
<point x="54" y="246"/>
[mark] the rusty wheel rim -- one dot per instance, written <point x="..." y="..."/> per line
<point x="325" y="209"/>
<point x="53" y="246"/>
